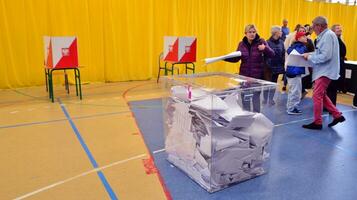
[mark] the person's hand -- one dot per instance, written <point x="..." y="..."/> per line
<point x="305" y="55"/>
<point x="261" y="47"/>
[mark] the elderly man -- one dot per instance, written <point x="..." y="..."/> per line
<point x="325" y="61"/>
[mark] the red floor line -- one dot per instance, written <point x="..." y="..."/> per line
<point x="164" y="187"/>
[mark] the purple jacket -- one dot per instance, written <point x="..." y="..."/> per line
<point x="253" y="60"/>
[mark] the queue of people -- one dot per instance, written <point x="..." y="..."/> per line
<point x="325" y="74"/>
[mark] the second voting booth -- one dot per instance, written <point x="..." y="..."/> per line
<point x="215" y="131"/>
<point x="61" y="54"/>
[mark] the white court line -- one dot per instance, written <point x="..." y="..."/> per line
<point x="311" y="118"/>
<point x="158" y="151"/>
<point x="78" y="176"/>
<point x="277" y="125"/>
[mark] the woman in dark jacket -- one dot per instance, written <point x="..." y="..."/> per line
<point x="254" y="51"/>
<point x="275" y="63"/>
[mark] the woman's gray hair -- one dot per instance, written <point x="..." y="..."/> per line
<point x="250" y="26"/>
<point x="275" y="29"/>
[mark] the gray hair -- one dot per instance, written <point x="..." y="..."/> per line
<point x="320" y="20"/>
<point x="333" y="27"/>
<point x="250" y="26"/>
<point x="275" y="29"/>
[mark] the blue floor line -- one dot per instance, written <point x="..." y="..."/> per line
<point x="31" y="123"/>
<point x="59" y="120"/>
<point x="89" y="154"/>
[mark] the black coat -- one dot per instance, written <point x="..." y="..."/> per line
<point x="276" y="63"/>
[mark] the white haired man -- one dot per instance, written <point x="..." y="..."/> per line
<point x="325" y="61"/>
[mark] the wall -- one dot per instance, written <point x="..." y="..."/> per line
<point x="120" y="40"/>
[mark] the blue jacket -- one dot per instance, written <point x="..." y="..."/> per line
<point x="276" y="63"/>
<point x="292" y="71"/>
<point x="325" y="60"/>
<point x="285" y="31"/>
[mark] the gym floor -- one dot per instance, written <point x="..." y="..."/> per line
<point x="94" y="149"/>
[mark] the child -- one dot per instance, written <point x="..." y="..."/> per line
<point x="293" y="75"/>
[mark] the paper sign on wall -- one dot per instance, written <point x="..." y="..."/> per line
<point x="179" y="49"/>
<point x="61" y="52"/>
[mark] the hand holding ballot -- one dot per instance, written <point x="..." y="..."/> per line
<point x="298" y="60"/>
<point x="230" y="55"/>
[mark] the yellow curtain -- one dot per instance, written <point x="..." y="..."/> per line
<point x="120" y="40"/>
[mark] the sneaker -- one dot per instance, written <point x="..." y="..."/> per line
<point x="313" y="126"/>
<point x="272" y="102"/>
<point x="354" y="106"/>
<point x="336" y="121"/>
<point x="295" y="112"/>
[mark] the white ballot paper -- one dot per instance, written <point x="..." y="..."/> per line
<point x="230" y="55"/>
<point x="297" y="60"/>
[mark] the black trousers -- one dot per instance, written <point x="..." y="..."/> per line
<point x="355" y="98"/>
<point x="306" y="82"/>
<point x="248" y="97"/>
<point x="269" y="94"/>
<point x="341" y="83"/>
<point x="332" y="91"/>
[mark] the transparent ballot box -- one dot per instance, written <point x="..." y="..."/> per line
<point x="215" y="130"/>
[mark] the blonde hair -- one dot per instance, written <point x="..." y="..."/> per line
<point x="250" y="26"/>
<point x="333" y="27"/>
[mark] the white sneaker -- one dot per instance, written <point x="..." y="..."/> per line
<point x="354" y="106"/>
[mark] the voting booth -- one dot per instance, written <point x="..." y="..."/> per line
<point x="61" y="52"/>
<point x="179" y="49"/>
<point x="215" y="130"/>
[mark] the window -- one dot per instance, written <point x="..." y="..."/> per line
<point x="347" y="2"/>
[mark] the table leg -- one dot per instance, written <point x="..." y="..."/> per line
<point x="80" y="85"/>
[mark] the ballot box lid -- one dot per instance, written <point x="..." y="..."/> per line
<point x="217" y="82"/>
